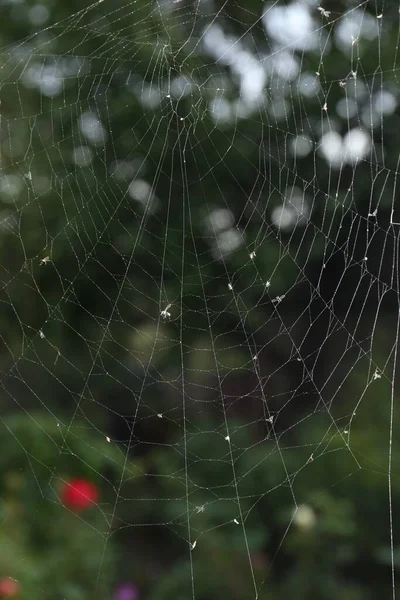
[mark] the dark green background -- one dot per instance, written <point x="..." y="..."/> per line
<point x="85" y="354"/>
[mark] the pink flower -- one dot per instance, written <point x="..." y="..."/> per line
<point x="9" y="588"/>
<point x="79" y="494"/>
<point x="126" y="591"/>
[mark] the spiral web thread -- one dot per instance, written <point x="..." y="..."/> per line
<point x="174" y="274"/>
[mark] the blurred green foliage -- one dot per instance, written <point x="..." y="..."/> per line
<point x="294" y="509"/>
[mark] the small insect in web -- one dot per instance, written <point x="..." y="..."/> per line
<point x="324" y="13"/>
<point x="45" y="261"/>
<point x="376" y="375"/>
<point x="278" y="299"/>
<point x="164" y="314"/>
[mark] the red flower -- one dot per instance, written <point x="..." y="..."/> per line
<point x="9" y="588"/>
<point x="79" y="494"/>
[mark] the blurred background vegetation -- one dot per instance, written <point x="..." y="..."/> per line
<point x="199" y="300"/>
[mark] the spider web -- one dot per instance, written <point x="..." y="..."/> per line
<point x="200" y="286"/>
